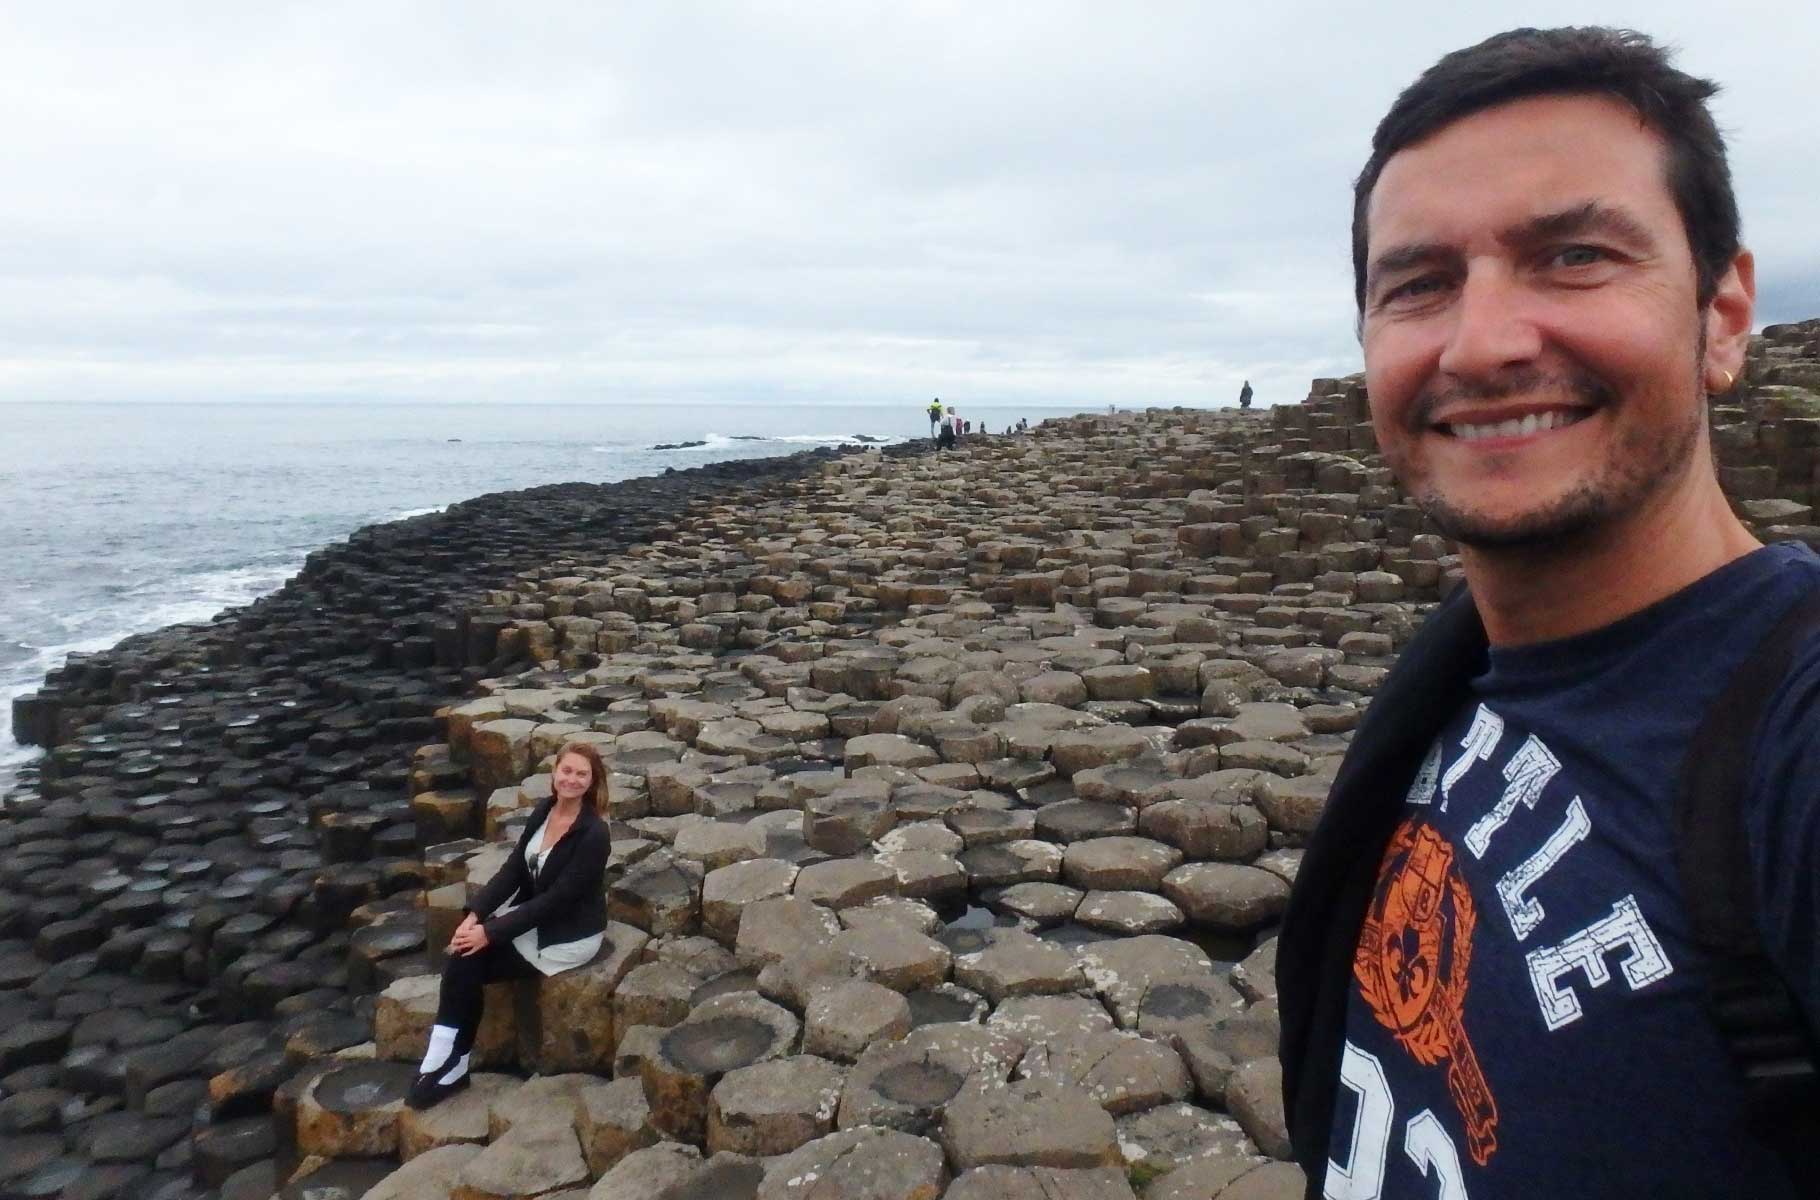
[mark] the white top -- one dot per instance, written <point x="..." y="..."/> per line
<point x="563" y="955"/>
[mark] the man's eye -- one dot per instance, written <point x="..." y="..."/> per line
<point x="1413" y="288"/>
<point x="1578" y="256"/>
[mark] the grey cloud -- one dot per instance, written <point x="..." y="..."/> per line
<point x="857" y="201"/>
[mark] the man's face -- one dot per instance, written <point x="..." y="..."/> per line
<point x="1532" y="343"/>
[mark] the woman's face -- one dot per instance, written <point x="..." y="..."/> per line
<point x="572" y="777"/>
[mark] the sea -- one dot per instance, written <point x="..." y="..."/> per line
<point x="121" y="517"/>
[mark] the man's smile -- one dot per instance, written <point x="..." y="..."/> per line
<point x="1494" y="426"/>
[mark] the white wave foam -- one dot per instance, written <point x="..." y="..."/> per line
<point x="144" y="606"/>
<point x="405" y="514"/>
<point x="710" y="442"/>
<point x="201" y="594"/>
<point x="841" y="439"/>
<point x="707" y="443"/>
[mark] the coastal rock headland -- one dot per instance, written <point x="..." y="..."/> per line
<point x="955" y="798"/>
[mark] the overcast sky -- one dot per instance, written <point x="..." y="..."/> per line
<point x="842" y="202"/>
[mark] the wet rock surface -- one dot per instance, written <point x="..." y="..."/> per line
<point x="954" y="799"/>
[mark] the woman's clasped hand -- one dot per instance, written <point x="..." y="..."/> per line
<point x="470" y="937"/>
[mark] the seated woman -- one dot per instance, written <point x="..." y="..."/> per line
<point x="544" y="912"/>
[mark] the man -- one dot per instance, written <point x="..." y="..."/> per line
<point x="1245" y="396"/>
<point x="935" y="416"/>
<point x="950" y="429"/>
<point x="1489" y="978"/>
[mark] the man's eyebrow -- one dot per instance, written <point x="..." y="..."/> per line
<point x="1578" y="221"/>
<point x="1404" y="257"/>
<point x="1581" y="219"/>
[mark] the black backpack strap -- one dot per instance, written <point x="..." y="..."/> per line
<point x="1758" y="1016"/>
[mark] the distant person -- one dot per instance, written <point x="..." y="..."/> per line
<point x="1245" y="395"/>
<point x="1023" y="426"/>
<point x="946" y="438"/>
<point x="935" y="416"/>
<point x="544" y="912"/>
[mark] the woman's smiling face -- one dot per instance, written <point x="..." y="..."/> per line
<point x="572" y="777"/>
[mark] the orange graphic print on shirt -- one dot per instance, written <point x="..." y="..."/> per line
<point x="1411" y="964"/>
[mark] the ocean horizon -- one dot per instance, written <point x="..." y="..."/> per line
<point x="129" y="516"/>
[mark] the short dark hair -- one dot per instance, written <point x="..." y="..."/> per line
<point x="1620" y="63"/>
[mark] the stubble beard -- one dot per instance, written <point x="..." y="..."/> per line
<point x="1640" y="463"/>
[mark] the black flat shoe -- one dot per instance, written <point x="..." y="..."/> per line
<point x="427" y="1093"/>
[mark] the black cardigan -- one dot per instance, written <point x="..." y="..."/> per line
<point x="1320" y="934"/>
<point x="564" y="902"/>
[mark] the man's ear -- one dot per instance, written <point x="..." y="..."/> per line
<point x="1728" y="320"/>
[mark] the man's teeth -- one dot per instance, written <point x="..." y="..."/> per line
<point x="1517" y="426"/>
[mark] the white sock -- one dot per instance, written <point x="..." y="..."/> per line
<point x="442" y="1040"/>
<point x="457" y="1071"/>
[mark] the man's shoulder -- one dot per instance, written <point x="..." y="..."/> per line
<point x="1794" y="595"/>
<point x="1785" y="749"/>
<point x="1800" y="689"/>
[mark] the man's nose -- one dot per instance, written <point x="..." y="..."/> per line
<point x="1493" y="328"/>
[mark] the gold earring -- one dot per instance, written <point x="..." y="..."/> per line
<point x="1728" y="380"/>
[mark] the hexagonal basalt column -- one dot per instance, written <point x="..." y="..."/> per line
<point x="843" y="882"/>
<point x="773" y="1107"/>
<point x="405" y="1011"/>
<point x="769" y="930"/>
<point x="1121" y="1072"/>
<point x="534" y="1161"/>
<point x="1029" y="1124"/>
<point x="661" y="895"/>
<point x="1016" y="963"/>
<point x="842" y="1020"/>
<point x="879" y="1164"/>
<point x="722" y="1035"/>
<point x="727" y="892"/>
<point x="849" y="818"/>
<point x="567" y="1023"/>
<point x="907" y="1084"/>
<point x="352" y="1111"/>
<point x="462" y="1119"/>
<point x="612" y="1120"/>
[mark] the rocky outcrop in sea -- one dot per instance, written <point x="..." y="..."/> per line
<point x="955" y="798"/>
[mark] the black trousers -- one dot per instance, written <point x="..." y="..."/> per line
<point x="463" y="978"/>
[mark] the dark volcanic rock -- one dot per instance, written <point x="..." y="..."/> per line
<point x="218" y="799"/>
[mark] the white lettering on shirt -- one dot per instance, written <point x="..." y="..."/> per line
<point x="1624" y="929"/>
<point x="1525" y="912"/>
<point x="1425" y="1139"/>
<point x="1479" y="742"/>
<point x="1527" y="773"/>
<point x="1422" y="791"/>
<point x="1433" y="1152"/>
<point x="1362" y="1177"/>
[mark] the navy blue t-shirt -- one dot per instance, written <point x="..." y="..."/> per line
<point x="1527" y="1017"/>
